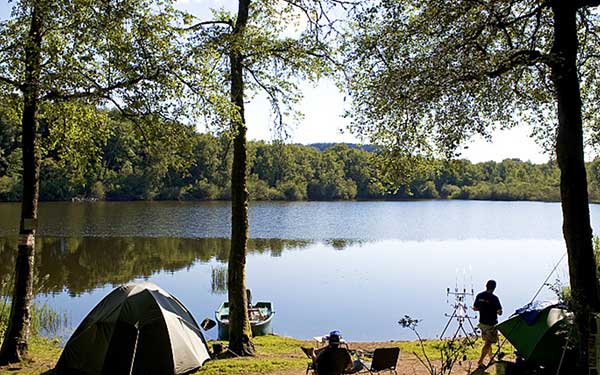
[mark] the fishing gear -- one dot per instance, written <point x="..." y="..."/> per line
<point x="460" y="312"/>
<point x="544" y="283"/>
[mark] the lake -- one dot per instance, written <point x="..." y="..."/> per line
<point x="353" y="266"/>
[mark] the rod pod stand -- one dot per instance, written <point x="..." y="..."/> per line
<point x="460" y="314"/>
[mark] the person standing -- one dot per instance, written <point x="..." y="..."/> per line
<point x="489" y="308"/>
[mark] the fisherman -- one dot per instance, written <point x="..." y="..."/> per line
<point x="333" y="359"/>
<point x="489" y="308"/>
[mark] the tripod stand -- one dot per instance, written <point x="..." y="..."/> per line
<point x="460" y="313"/>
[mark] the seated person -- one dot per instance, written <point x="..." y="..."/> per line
<point x="334" y="360"/>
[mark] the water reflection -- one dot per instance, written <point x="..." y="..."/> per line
<point x="80" y="264"/>
<point x="219" y="280"/>
<point x="397" y="257"/>
<point x="362" y="290"/>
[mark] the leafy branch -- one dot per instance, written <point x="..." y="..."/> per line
<point x="452" y="351"/>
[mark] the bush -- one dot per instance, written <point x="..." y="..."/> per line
<point x="10" y="188"/>
<point x="259" y="190"/>
<point x="450" y="191"/>
<point x="428" y="191"/>
<point x="203" y="190"/>
<point x="482" y="190"/>
<point x="54" y="182"/>
<point x="292" y="191"/>
<point x="127" y="188"/>
<point x="97" y="191"/>
<point x="171" y="193"/>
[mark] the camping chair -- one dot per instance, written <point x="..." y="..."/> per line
<point x="384" y="359"/>
<point x="334" y="364"/>
<point x="309" y="353"/>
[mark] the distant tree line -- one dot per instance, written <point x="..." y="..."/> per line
<point x="122" y="166"/>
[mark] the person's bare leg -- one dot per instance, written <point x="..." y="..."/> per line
<point x="491" y="353"/>
<point x="486" y="350"/>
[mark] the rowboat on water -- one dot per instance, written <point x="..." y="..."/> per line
<point x="261" y="315"/>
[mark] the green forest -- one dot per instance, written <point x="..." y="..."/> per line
<point x="121" y="164"/>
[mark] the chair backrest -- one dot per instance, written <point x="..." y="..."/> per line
<point x="308" y="351"/>
<point x="385" y="359"/>
<point x="333" y="361"/>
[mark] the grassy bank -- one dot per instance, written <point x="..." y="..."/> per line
<point x="275" y="355"/>
<point x="43" y="354"/>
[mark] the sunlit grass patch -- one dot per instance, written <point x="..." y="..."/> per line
<point x="273" y="353"/>
<point x="43" y="352"/>
<point x="250" y="366"/>
<point x="433" y="348"/>
<point x="42" y="356"/>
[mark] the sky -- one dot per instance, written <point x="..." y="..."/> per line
<point x="323" y="106"/>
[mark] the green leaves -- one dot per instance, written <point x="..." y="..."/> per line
<point x="126" y="54"/>
<point x="282" y="46"/>
<point x="426" y="76"/>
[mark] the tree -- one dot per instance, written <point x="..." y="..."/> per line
<point x="426" y="75"/>
<point x="85" y="52"/>
<point x="239" y="324"/>
<point x="255" y="53"/>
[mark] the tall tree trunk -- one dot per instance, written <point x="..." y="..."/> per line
<point x="573" y="182"/>
<point x="16" y="337"/>
<point x="239" y="325"/>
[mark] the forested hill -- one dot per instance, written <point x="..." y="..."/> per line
<point x="325" y="146"/>
<point x="115" y="163"/>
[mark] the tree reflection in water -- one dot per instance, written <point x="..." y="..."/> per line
<point x="81" y="264"/>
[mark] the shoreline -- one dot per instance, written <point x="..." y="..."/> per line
<point x="275" y="355"/>
<point x="97" y="201"/>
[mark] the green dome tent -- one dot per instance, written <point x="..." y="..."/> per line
<point x="539" y="336"/>
<point x="136" y="329"/>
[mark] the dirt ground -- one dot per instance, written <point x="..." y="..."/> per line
<point x="408" y="364"/>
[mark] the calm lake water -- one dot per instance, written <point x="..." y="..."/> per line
<point x="353" y="266"/>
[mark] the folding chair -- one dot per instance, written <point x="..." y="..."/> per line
<point x="384" y="359"/>
<point x="331" y="363"/>
<point x="309" y="353"/>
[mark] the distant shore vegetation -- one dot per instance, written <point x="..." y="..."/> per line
<point x="115" y="163"/>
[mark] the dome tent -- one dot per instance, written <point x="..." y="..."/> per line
<point x="539" y="332"/>
<point x="138" y="328"/>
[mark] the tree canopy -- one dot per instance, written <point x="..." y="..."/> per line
<point x="426" y="76"/>
<point x="59" y="60"/>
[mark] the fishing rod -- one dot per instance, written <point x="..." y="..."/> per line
<point x="544" y="283"/>
<point x="460" y="312"/>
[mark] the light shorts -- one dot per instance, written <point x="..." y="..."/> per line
<point x="488" y="333"/>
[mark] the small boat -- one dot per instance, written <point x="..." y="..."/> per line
<point x="261" y="315"/>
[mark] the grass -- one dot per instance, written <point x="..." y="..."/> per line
<point x="432" y="348"/>
<point x="43" y="354"/>
<point x="274" y="354"/>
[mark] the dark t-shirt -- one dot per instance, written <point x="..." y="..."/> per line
<point x="332" y="361"/>
<point x="488" y="305"/>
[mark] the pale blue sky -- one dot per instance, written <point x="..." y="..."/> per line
<point x="323" y="106"/>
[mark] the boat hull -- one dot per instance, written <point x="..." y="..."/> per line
<point x="259" y="328"/>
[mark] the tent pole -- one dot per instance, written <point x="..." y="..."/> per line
<point x="137" y="336"/>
